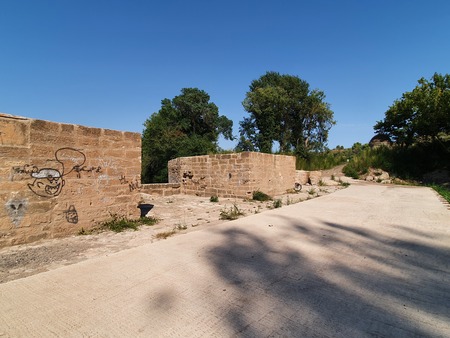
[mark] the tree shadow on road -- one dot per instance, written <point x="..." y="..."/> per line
<point x="330" y="279"/>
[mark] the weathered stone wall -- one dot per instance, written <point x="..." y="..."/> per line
<point x="161" y="189"/>
<point x="304" y="177"/>
<point x="58" y="178"/>
<point x="233" y="175"/>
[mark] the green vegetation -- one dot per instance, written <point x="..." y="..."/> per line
<point x="214" y="199"/>
<point x="120" y="223"/>
<point x="422" y="115"/>
<point x="443" y="191"/>
<point x="187" y="125"/>
<point x="277" y="203"/>
<point x="409" y="163"/>
<point x="260" y="196"/>
<point x="419" y="125"/>
<point x="285" y="110"/>
<point x="165" y="234"/>
<point x="327" y="158"/>
<point x="231" y="214"/>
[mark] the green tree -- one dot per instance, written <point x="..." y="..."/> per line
<point x="187" y="125"/>
<point x="422" y="114"/>
<point x="283" y="109"/>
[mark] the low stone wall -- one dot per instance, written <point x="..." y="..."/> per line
<point x="304" y="177"/>
<point x="233" y="175"/>
<point x="161" y="189"/>
<point x="57" y="178"/>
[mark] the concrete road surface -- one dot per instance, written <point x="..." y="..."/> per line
<point x="366" y="261"/>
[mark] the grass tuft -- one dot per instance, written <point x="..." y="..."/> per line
<point x="231" y="214"/>
<point x="165" y="234"/>
<point x="277" y="203"/>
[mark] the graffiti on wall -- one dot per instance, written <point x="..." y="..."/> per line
<point x="71" y="214"/>
<point x="134" y="184"/>
<point x="49" y="182"/>
<point x="16" y="210"/>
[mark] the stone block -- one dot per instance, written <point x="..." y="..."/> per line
<point x="315" y="177"/>
<point x="14" y="132"/>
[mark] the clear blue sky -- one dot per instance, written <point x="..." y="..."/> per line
<point x="110" y="63"/>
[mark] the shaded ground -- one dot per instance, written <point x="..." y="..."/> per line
<point x="183" y="213"/>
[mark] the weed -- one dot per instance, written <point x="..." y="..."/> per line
<point x="233" y="213"/>
<point x="277" y="203"/>
<point x="165" y="234"/>
<point x="321" y="183"/>
<point x="260" y="196"/>
<point x="148" y="221"/>
<point x="342" y="183"/>
<point x="83" y="232"/>
<point x="214" y="199"/>
<point x="121" y="223"/>
<point x="288" y="200"/>
<point x="311" y="191"/>
<point x="333" y="178"/>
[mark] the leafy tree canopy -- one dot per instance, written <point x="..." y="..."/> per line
<point x="187" y="125"/>
<point x="423" y="113"/>
<point x="283" y="109"/>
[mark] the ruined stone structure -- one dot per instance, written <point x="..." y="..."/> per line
<point x="233" y="175"/>
<point x="58" y="178"/>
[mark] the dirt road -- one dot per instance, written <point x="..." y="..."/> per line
<point x="369" y="260"/>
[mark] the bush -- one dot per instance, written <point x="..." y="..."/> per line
<point x="407" y="163"/>
<point x="233" y="213"/>
<point x="260" y="196"/>
<point x="277" y="203"/>
<point x="214" y="199"/>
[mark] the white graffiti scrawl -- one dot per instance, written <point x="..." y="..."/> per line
<point x="47" y="182"/>
<point x="16" y="209"/>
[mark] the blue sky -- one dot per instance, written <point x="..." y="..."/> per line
<point x="110" y="63"/>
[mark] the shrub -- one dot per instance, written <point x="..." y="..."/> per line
<point x="260" y="196"/>
<point x="233" y="213"/>
<point x="214" y="199"/>
<point x="277" y="203"/>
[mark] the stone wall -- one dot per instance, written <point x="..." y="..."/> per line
<point x="58" y="178"/>
<point x="308" y="177"/>
<point x="233" y="175"/>
<point x="161" y="189"/>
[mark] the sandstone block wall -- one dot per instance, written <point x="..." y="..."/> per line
<point x="161" y="189"/>
<point x="58" y="178"/>
<point x="233" y="175"/>
<point x="304" y="177"/>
